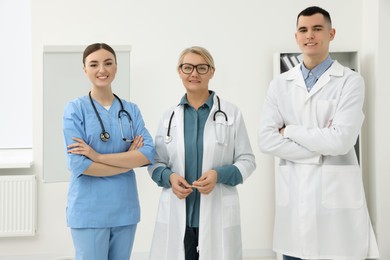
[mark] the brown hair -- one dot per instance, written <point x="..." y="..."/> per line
<point x="95" y="47"/>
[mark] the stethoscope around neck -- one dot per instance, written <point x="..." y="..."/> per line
<point x="104" y="135"/>
<point x="168" y="137"/>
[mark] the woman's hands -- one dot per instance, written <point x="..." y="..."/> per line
<point x="180" y="186"/>
<point x="137" y="143"/>
<point x="82" y="148"/>
<point x="205" y="184"/>
<point x="109" y="164"/>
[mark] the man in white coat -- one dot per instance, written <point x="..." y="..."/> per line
<point x="311" y="119"/>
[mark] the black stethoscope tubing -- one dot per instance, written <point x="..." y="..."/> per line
<point x="104" y="135"/>
<point x="168" y="137"/>
<point x="219" y="111"/>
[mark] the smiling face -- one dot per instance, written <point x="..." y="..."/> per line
<point x="100" y="67"/>
<point x="313" y="36"/>
<point x="194" y="82"/>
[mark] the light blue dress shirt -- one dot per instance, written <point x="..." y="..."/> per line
<point x="99" y="202"/>
<point x="311" y="76"/>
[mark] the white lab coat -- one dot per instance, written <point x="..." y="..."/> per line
<point x="219" y="220"/>
<point x="321" y="210"/>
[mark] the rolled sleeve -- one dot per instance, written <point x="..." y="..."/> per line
<point x="161" y="176"/>
<point x="73" y="127"/>
<point x="229" y="175"/>
<point x="148" y="152"/>
<point x="147" y="149"/>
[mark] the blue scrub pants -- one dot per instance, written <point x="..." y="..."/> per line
<point x="103" y="243"/>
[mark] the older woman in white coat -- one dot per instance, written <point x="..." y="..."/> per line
<point x="202" y="153"/>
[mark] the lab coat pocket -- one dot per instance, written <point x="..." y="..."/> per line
<point x="223" y="129"/>
<point x="282" y="186"/>
<point x="231" y="210"/>
<point x="164" y="207"/>
<point x="342" y="186"/>
<point x="325" y="112"/>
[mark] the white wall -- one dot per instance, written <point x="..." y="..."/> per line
<point x="241" y="35"/>
<point x="15" y="75"/>
<point x="376" y="56"/>
<point x="382" y="143"/>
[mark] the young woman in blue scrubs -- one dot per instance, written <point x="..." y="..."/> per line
<point x="106" y="138"/>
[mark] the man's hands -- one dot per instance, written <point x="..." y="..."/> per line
<point x="205" y="184"/>
<point x="281" y="131"/>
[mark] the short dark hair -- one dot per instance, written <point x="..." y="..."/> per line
<point x="312" y="10"/>
<point x="95" y="47"/>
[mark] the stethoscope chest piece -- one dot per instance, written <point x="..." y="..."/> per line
<point x="104" y="136"/>
<point x="167" y="139"/>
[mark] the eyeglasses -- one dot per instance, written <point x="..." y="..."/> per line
<point x="188" y="68"/>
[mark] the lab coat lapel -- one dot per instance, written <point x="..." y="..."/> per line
<point x="179" y="117"/>
<point x="206" y="205"/>
<point x="322" y="81"/>
<point x="295" y="75"/>
<point x="208" y="138"/>
<point x="335" y="70"/>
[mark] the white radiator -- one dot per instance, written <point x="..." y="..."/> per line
<point x="17" y="205"/>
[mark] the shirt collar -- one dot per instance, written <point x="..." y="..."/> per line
<point x="209" y="102"/>
<point x="318" y="70"/>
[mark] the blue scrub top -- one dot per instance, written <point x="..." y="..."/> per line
<point x="99" y="202"/>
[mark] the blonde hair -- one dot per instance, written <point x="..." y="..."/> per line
<point x="205" y="54"/>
